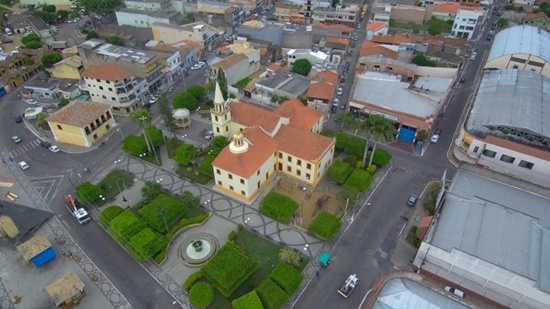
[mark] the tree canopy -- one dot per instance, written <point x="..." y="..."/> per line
<point x="422" y="60"/>
<point x="186" y="154"/>
<point x="302" y="67"/>
<point x="438" y="26"/>
<point x="185" y="100"/>
<point x="50" y="59"/>
<point x="32" y="41"/>
<point x="91" y="35"/>
<point x="222" y="81"/>
<point x="115" y="40"/>
<point x="99" y="7"/>
<point x="198" y="91"/>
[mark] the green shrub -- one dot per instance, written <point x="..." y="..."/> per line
<point x="272" y="296"/>
<point x="185" y="222"/>
<point x="145" y="244"/>
<point x="248" y="301"/>
<point x="359" y="164"/>
<point x="327" y="132"/>
<point x="430" y="207"/>
<point x="201" y="295"/>
<point x="108" y="214"/>
<point x="350" y="193"/>
<point x="360" y="180"/>
<point x="159" y="258"/>
<point x="134" y="145"/>
<point x="190" y="281"/>
<point x="155" y="136"/>
<point x="339" y="172"/>
<point x="381" y="157"/>
<point x="341" y="140"/>
<point x="231" y="235"/>
<point x="351" y="160"/>
<point x="325" y="225"/>
<point x="206" y="165"/>
<point x="372" y="169"/>
<point x="278" y="206"/>
<point x="356" y="146"/>
<point x="229" y="268"/>
<point x="87" y="192"/>
<point x="287" y="277"/>
<point x="163" y="210"/>
<point x="124" y="226"/>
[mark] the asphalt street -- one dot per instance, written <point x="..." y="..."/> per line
<point x="56" y="174"/>
<point x="367" y="247"/>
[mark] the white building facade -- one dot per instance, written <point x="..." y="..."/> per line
<point x="466" y="21"/>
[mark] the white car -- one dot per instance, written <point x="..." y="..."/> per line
<point x="153" y="99"/>
<point x="23" y="165"/>
<point x="209" y="135"/>
<point x="339" y="91"/>
<point x="195" y="67"/>
<point x="54" y="149"/>
<point x="473" y="56"/>
<point x="201" y="63"/>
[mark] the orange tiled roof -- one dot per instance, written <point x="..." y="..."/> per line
<point x="301" y="143"/>
<point x="392" y="40"/>
<point x="328" y="77"/>
<point x="106" y="72"/>
<point x="79" y="114"/>
<point x="378" y="25"/>
<point x="447" y="41"/>
<point x="263" y="51"/>
<point x="301" y="116"/>
<point x="196" y="45"/>
<point x="336" y="40"/>
<point x="535" y="15"/>
<point x="369" y="48"/>
<point x="446" y="8"/>
<point x="341" y="27"/>
<point x="274" y="67"/>
<point x="261" y="146"/>
<point x="250" y="116"/>
<point x="320" y="90"/>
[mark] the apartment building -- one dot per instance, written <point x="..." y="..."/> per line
<point x="144" y="19"/>
<point x="466" y="20"/>
<point x="198" y="32"/>
<point x="341" y="15"/>
<point x="238" y="61"/>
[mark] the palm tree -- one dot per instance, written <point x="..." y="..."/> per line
<point x="378" y="128"/>
<point x="349" y="120"/>
<point x="41" y="120"/>
<point x="142" y="118"/>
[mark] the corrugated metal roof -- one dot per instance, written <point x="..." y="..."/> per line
<point x="34" y="247"/>
<point x="515" y="99"/>
<point x="521" y="40"/>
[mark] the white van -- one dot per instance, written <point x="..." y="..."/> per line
<point x="8" y="31"/>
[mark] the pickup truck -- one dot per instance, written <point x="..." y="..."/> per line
<point x="348" y="286"/>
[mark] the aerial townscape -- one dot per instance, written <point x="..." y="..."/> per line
<point x="266" y="154"/>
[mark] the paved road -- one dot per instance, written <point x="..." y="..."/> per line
<point x="368" y="245"/>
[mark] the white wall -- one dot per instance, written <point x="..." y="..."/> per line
<point x="465" y="23"/>
<point x="138" y="20"/>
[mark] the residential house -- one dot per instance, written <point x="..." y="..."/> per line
<point x="144" y="19"/>
<point x="112" y="85"/>
<point x="342" y="15"/>
<point x="172" y="59"/>
<point x="68" y="89"/>
<point x="276" y="34"/>
<point x="370" y="50"/>
<point x="539" y="19"/>
<point x="220" y="17"/>
<point x="42" y="88"/>
<point x="445" y="50"/>
<point x="190" y="52"/>
<point x="289" y="12"/>
<point x="148" y="5"/>
<point x="36" y="3"/>
<point x="334" y="43"/>
<point x="377" y="28"/>
<point x="137" y="63"/>
<point x="20" y="68"/>
<point x="68" y="68"/>
<point x="403" y="45"/>
<point x="446" y="11"/>
<point x="81" y="123"/>
<point x="282" y="84"/>
<point x="198" y="32"/>
<point x="241" y="60"/>
<point x="380" y="12"/>
<point x="406" y="70"/>
<point x="247" y="5"/>
<point x="321" y="31"/>
<point x="409" y="14"/>
<point x="265" y="143"/>
<point x="320" y="94"/>
<point x="315" y="57"/>
<point x="466" y="20"/>
<point x="23" y="23"/>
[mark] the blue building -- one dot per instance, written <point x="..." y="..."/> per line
<point x="38" y="250"/>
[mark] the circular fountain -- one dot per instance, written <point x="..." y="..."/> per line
<point x="196" y="249"/>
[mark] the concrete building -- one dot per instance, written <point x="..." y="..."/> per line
<point x="341" y="15"/>
<point x="68" y="68"/>
<point x="508" y="127"/>
<point x="446" y="11"/>
<point x="220" y="17"/>
<point x="283" y="85"/>
<point x="23" y="23"/>
<point x="247" y="5"/>
<point x="20" y="68"/>
<point x="137" y="63"/>
<point x="198" y="32"/>
<point x="81" y="123"/>
<point x="445" y="50"/>
<point x="377" y="28"/>
<point x="148" y="5"/>
<point x="321" y="92"/>
<point x="109" y="84"/>
<point x="266" y="142"/>
<point x="173" y="58"/>
<point x="540" y="20"/>
<point x="144" y="19"/>
<point x="289" y="12"/>
<point x="321" y="31"/>
<point x="466" y="20"/>
<point x="283" y="35"/>
<point x="239" y="61"/>
<point x="521" y="47"/>
<point x="314" y="57"/>
<point x="409" y="14"/>
<point x="26" y="3"/>
<point x="413" y="105"/>
<point x="488" y="238"/>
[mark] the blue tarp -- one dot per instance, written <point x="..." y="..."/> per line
<point x="43" y="257"/>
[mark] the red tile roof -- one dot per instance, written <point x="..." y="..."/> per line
<point x="328" y="77"/>
<point x="370" y="48"/>
<point x="106" y="72"/>
<point x="336" y="40"/>
<point x="301" y="116"/>
<point x="301" y="143"/>
<point x="261" y="146"/>
<point x="274" y="67"/>
<point x="341" y="27"/>
<point x="79" y="114"/>
<point x="529" y="16"/>
<point x="446" y="8"/>
<point x="249" y="115"/>
<point x="376" y="26"/>
<point x="392" y="40"/>
<point x="263" y="51"/>
<point x="321" y="90"/>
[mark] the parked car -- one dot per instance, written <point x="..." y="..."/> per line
<point x="473" y="56"/>
<point x="16" y="139"/>
<point x="412" y="200"/>
<point x="147" y="105"/>
<point x="18" y="119"/>
<point x="45" y="144"/>
<point x="54" y="149"/>
<point x="23" y="165"/>
<point x="31" y="101"/>
<point x="435" y="136"/>
<point x="153" y="99"/>
<point x="209" y="135"/>
<point x="339" y="91"/>
<point x="170" y="90"/>
<point x="456" y="292"/>
<point x="195" y="67"/>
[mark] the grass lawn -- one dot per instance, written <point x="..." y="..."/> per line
<point x="172" y="144"/>
<point x="114" y="183"/>
<point x="200" y="178"/>
<point x="409" y="26"/>
<point x="151" y="158"/>
<point x="242" y="83"/>
<point x="262" y="250"/>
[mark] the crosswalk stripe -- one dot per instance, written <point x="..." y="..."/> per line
<point x="6" y="184"/>
<point x="35" y="143"/>
<point x="24" y="147"/>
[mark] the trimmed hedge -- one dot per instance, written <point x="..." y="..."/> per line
<point x="278" y="206"/>
<point x="339" y="172"/>
<point x="87" y="192"/>
<point x="356" y="146"/>
<point x="124" y="226"/>
<point x="248" y="301"/>
<point x="360" y="180"/>
<point x="134" y="145"/>
<point x="372" y="169"/>
<point x="201" y="295"/>
<point x="229" y="268"/>
<point x="325" y="226"/>
<point x="145" y="244"/>
<point x="185" y="222"/>
<point x="190" y="281"/>
<point x="341" y="140"/>
<point x="174" y="209"/>
<point x="206" y="165"/>
<point x="381" y="157"/>
<point x="272" y="296"/>
<point x="108" y="214"/>
<point x="287" y="277"/>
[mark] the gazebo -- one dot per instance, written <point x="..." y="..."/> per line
<point x="182" y="117"/>
<point x="38" y="250"/>
<point x="67" y="291"/>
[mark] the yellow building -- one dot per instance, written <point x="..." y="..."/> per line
<point x="81" y="123"/>
<point x="69" y="68"/>
<point x="286" y="140"/>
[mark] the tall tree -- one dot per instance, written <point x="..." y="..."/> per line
<point x="99" y="7"/>
<point x="143" y="119"/>
<point x="302" y="67"/>
<point x="378" y="128"/>
<point x="349" y="120"/>
<point x="222" y="81"/>
<point x="167" y="116"/>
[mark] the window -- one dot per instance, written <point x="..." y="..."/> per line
<point x="518" y="60"/>
<point x="226" y="128"/>
<point x="216" y="117"/>
<point x="242" y="181"/>
<point x="100" y="87"/>
<point x="308" y="176"/>
<point x="300" y="162"/>
<point x="219" y="183"/>
<point x="242" y="192"/>
<point x="536" y="64"/>
<point x="258" y="173"/>
<point x="104" y="97"/>
<point x="489" y="153"/>
<point x="217" y="130"/>
<point x="515" y="66"/>
<point x="289" y="169"/>
<point x="299" y="173"/>
<point x="107" y="127"/>
<point x="507" y="159"/>
<point x="476" y="148"/>
<point x="95" y="136"/>
<point x="113" y="99"/>
<point x="289" y="159"/>
<point x="110" y="89"/>
<point x="231" y="188"/>
<point x="525" y="164"/>
<point x="308" y="166"/>
<point x="230" y="176"/>
<point x="59" y="127"/>
<point x="280" y="155"/>
<point x="218" y="172"/>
